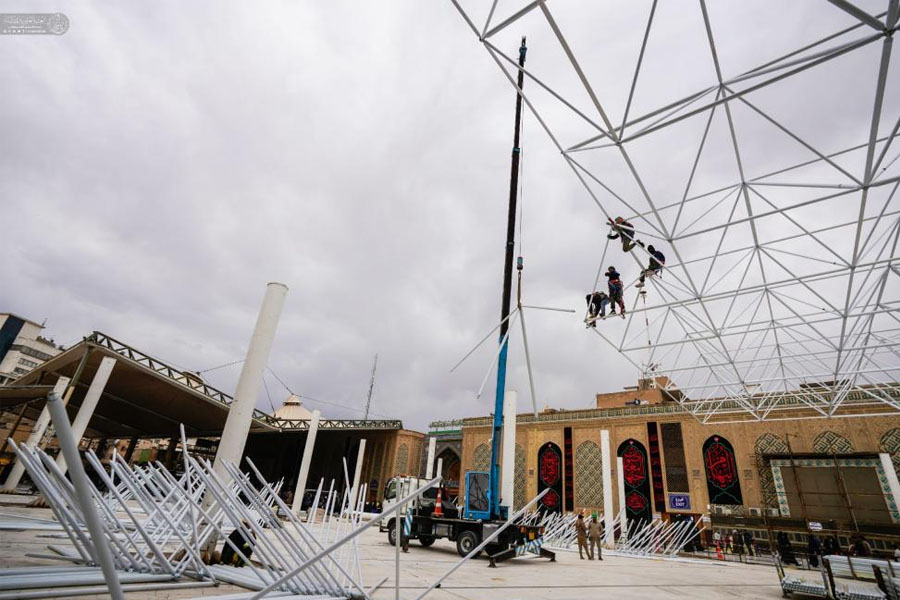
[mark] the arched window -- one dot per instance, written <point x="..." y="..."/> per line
<point x="481" y="460"/>
<point x="636" y="479"/>
<point x="550" y="476"/>
<point x="588" y="475"/>
<point x="722" y="480"/>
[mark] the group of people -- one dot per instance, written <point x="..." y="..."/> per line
<point x="736" y="542"/>
<point x="589" y="535"/>
<point x="598" y="301"/>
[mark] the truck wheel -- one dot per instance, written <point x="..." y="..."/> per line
<point x="392" y="533"/>
<point x="426" y="540"/>
<point x="466" y="542"/>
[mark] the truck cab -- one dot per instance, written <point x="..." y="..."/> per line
<point x="398" y="487"/>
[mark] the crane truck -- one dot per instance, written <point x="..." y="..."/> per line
<point x="433" y="516"/>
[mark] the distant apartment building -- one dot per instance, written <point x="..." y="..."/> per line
<point x="22" y="347"/>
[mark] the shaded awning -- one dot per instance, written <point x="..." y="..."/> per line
<point x="144" y="397"/>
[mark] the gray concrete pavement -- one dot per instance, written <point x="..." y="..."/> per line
<point x="569" y="578"/>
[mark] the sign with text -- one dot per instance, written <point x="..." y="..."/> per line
<point x="679" y="501"/>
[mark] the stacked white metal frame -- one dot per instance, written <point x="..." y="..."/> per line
<point x="755" y="149"/>
<point x="658" y="538"/>
<point x="157" y="533"/>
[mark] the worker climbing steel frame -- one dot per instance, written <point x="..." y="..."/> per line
<point x="780" y="296"/>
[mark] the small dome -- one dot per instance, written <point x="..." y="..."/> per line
<point x="293" y="409"/>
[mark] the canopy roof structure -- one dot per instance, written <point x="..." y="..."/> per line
<point x="751" y="143"/>
<point x="146" y="397"/>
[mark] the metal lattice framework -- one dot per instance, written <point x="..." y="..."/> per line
<point x="756" y="151"/>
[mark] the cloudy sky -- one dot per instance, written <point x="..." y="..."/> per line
<point x="162" y="162"/>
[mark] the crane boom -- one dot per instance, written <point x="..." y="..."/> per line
<point x="507" y="293"/>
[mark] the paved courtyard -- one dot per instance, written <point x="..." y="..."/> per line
<point x="520" y="579"/>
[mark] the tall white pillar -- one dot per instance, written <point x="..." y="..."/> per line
<point x="91" y="399"/>
<point x="240" y="414"/>
<point x="37" y="432"/>
<point x="623" y="514"/>
<point x="893" y="484"/>
<point x="356" y="474"/>
<point x="608" y="517"/>
<point x="300" y="490"/>
<point x="507" y="474"/>
<point x="440" y="469"/>
<point x="429" y="466"/>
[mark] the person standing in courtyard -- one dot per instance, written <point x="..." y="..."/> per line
<point x="595" y="534"/>
<point x="581" y="535"/>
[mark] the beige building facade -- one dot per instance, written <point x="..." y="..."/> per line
<point x="809" y="469"/>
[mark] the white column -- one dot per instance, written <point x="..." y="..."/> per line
<point x="608" y="517"/>
<point x="356" y="474"/>
<point x="888" y="467"/>
<point x="300" y="490"/>
<point x="68" y="444"/>
<point x="429" y="466"/>
<point x="88" y="405"/>
<point x="507" y="474"/>
<point x="440" y="469"/>
<point x="37" y="432"/>
<point x="623" y="513"/>
<point x="240" y="414"/>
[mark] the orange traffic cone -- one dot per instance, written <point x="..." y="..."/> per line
<point x="438" y="509"/>
<point x="719" y="552"/>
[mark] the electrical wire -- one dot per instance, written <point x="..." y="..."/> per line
<point x="220" y="366"/>
<point x="318" y="401"/>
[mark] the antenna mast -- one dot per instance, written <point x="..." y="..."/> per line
<point x="371" y="388"/>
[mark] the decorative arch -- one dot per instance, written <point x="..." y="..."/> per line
<point x="722" y="479"/>
<point x="766" y="445"/>
<point x="890" y="443"/>
<point x="829" y="442"/>
<point x="481" y="460"/>
<point x="519" y="479"/>
<point x="550" y="467"/>
<point x="636" y="477"/>
<point x="402" y="463"/>
<point x="588" y="471"/>
<point x="450" y="463"/>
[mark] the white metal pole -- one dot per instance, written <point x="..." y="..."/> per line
<point x="357" y="473"/>
<point x="620" y="480"/>
<point x="37" y="432"/>
<point x="240" y="413"/>
<point x="429" y="466"/>
<point x="300" y="490"/>
<point x="888" y="467"/>
<point x="440" y="468"/>
<point x="608" y="516"/>
<point x="398" y="533"/>
<point x="91" y="399"/>
<point x="509" y="450"/>
<point x="69" y="447"/>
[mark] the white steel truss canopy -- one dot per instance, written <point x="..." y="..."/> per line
<point x="753" y="144"/>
